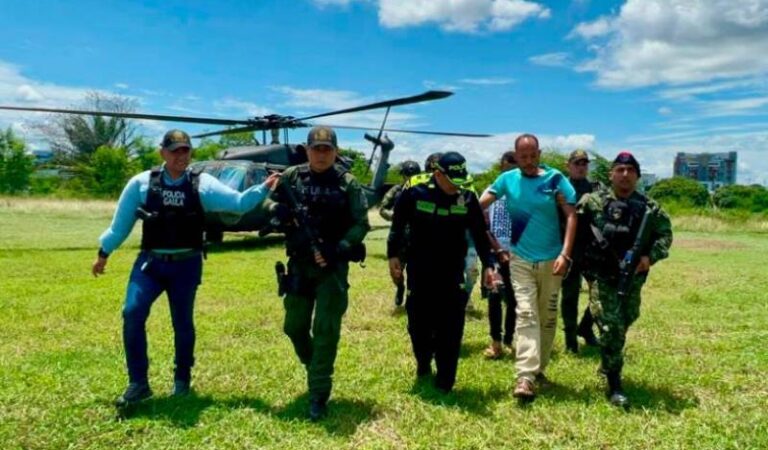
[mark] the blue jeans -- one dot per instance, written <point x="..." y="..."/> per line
<point x="149" y="278"/>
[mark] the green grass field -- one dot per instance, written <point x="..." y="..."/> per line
<point x="696" y="360"/>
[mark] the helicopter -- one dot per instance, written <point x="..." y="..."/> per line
<point x="243" y="166"/>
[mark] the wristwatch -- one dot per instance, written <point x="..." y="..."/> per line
<point x="103" y="254"/>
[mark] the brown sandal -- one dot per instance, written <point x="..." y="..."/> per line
<point x="493" y="352"/>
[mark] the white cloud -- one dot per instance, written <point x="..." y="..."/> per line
<point x="467" y="16"/>
<point x="306" y="102"/>
<point x="121" y="86"/>
<point x="15" y="88"/>
<point x="29" y="94"/>
<point x="665" y="110"/>
<point x="327" y="99"/>
<point x="558" y="59"/>
<point x="242" y="107"/>
<point x="591" y="30"/>
<point x="698" y="90"/>
<point x="734" y="107"/>
<point x="436" y="85"/>
<point x="652" y="42"/>
<point x="490" y="81"/>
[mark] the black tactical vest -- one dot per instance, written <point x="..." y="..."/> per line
<point x="325" y="198"/>
<point x="176" y="217"/>
<point x="620" y="221"/>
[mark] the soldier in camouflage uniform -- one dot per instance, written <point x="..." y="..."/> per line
<point x="337" y="214"/>
<point x="407" y="170"/>
<point x="610" y="221"/>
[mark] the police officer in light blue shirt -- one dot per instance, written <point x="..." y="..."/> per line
<point x="172" y="201"/>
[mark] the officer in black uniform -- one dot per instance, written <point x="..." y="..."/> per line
<point x="438" y="214"/>
<point x="578" y="166"/>
<point x="408" y="169"/>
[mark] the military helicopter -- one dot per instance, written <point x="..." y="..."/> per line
<point x="242" y="167"/>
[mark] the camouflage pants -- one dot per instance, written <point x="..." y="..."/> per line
<point x="614" y="317"/>
<point x="316" y="341"/>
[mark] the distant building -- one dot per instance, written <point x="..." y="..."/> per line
<point x="710" y="169"/>
<point x="647" y="180"/>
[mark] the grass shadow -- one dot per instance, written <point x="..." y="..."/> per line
<point x="474" y="401"/>
<point x="588" y="352"/>
<point x="181" y="412"/>
<point x="343" y="419"/>
<point x="398" y="311"/>
<point x="468" y="348"/>
<point x="658" y="398"/>
<point x="474" y="312"/>
<point x="560" y="393"/>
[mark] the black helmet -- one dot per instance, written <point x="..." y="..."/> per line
<point x="430" y="165"/>
<point x="409" y="168"/>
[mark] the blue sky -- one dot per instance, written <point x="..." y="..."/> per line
<point x="652" y="76"/>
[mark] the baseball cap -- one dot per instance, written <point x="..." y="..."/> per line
<point x="578" y="155"/>
<point x="454" y="166"/>
<point x="322" y="136"/>
<point x="175" y="139"/>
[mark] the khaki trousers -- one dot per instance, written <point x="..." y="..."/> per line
<point x="536" y="291"/>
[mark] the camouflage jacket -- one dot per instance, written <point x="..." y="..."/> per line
<point x="592" y="211"/>
<point x="334" y="201"/>
<point x="387" y="208"/>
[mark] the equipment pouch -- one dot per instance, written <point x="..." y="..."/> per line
<point x="282" y="278"/>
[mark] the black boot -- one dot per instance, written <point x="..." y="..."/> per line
<point x="586" y="332"/>
<point x="571" y="342"/>
<point x="181" y="388"/>
<point x="615" y="392"/>
<point x="318" y="407"/>
<point x="134" y="393"/>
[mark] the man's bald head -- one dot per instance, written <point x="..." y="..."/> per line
<point x="527" y="140"/>
<point x="527" y="154"/>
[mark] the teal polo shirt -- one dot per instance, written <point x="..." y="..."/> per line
<point x="535" y="234"/>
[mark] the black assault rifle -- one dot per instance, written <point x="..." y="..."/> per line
<point x="300" y="220"/>
<point x="628" y="264"/>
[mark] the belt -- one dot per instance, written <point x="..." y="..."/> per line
<point x="173" y="257"/>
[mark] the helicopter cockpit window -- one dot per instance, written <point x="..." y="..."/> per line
<point x="233" y="177"/>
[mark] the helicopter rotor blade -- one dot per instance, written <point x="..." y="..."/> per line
<point x="226" y="131"/>
<point x="254" y="127"/>
<point x="392" y="130"/>
<point x="167" y="118"/>
<point x="425" y="97"/>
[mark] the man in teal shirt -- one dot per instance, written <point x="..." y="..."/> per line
<point x="539" y="256"/>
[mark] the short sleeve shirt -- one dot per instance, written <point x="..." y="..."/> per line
<point x="532" y="205"/>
